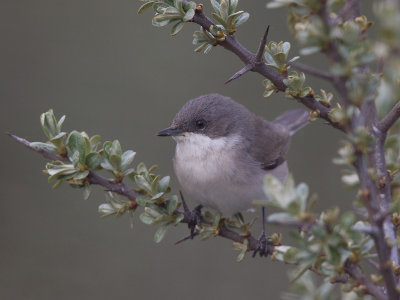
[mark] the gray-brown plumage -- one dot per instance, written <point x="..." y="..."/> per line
<point x="224" y="151"/>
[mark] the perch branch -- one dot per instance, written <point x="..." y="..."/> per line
<point x="122" y="189"/>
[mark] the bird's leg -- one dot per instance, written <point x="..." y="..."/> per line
<point x="192" y="217"/>
<point x="262" y="247"/>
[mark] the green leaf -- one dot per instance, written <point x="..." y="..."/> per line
<point x="127" y="159"/>
<point x="142" y="183"/>
<point x="146" y="218"/>
<point x="142" y="200"/>
<point x="157" y="196"/>
<point x="60" y="122"/>
<point x="232" y="6"/>
<point x="172" y="204"/>
<point x="48" y="147"/>
<point x="201" y="47"/>
<point x="189" y="15"/>
<point x="215" y="5"/>
<point x="190" y="5"/>
<point x="141" y="168"/>
<point x="178" y="219"/>
<point x="81" y="175"/>
<point x="224" y="9"/>
<point x="348" y="219"/>
<point x="286" y="48"/>
<point x="94" y="142"/>
<point x="58" y="140"/>
<point x="93" y="160"/>
<point x="160" y="23"/>
<point x="233" y="16"/>
<point x="154" y="184"/>
<point x="129" y="172"/>
<point x="116" y="148"/>
<point x="160" y="233"/>
<point x="115" y="161"/>
<point x="241" y="19"/>
<point x="163" y="184"/>
<point x="49" y="124"/>
<point x="280" y="59"/>
<point x="219" y="19"/>
<point x="87" y="190"/>
<point x="319" y="232"/>
<point x="76" y="143"/>
<point x="105" y="164"/>
<point x="145" y="6"/>
<point x="177" y="28"/>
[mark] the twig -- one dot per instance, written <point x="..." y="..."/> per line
<point x="370" y="287"/>
<point x="93" y="177"/>
<point x="46" y="154"/>
<point x="122" y="189"/>
<point x="315" y="72"/>
<point x="388" y="121"/>
<point x="258" y="59"/>
<point x="230" y="43"/>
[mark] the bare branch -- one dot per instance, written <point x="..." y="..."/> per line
<point x="315" y="72"/>
<point x="391" y="118"/>
<point x="45" y="153"/>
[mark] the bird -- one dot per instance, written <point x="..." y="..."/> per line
<point x="224" y="151"/>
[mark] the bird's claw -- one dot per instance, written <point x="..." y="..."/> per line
<point x="192" y="217"/>
<point x="263" y="246"/>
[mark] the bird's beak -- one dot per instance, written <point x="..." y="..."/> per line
<point x="170" y="131"/>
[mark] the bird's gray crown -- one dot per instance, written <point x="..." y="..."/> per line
<point x="213" y="115"/>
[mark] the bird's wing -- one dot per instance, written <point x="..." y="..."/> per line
<point x="269" y="144"/>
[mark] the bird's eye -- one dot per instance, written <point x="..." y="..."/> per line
<point x="200" y="124"/>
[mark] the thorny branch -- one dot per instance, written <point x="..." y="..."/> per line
<point x="250" y="59"/>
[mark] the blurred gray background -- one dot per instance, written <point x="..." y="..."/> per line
<point x="111" y="73"/>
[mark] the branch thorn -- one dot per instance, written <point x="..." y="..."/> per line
<point x="241" y="72"/>
<point x="258" y="58"/>
<point x="261" y="47"/>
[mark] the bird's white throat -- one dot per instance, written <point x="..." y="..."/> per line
<point x="208" y="172"/>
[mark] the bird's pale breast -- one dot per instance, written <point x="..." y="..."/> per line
<point x="210" y="173"/>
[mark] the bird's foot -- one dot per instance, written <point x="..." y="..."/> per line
<point x="264" y="246"/>
<point x="192" y="218"/>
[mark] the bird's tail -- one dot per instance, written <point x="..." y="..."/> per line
<point x="293" y="120"/>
